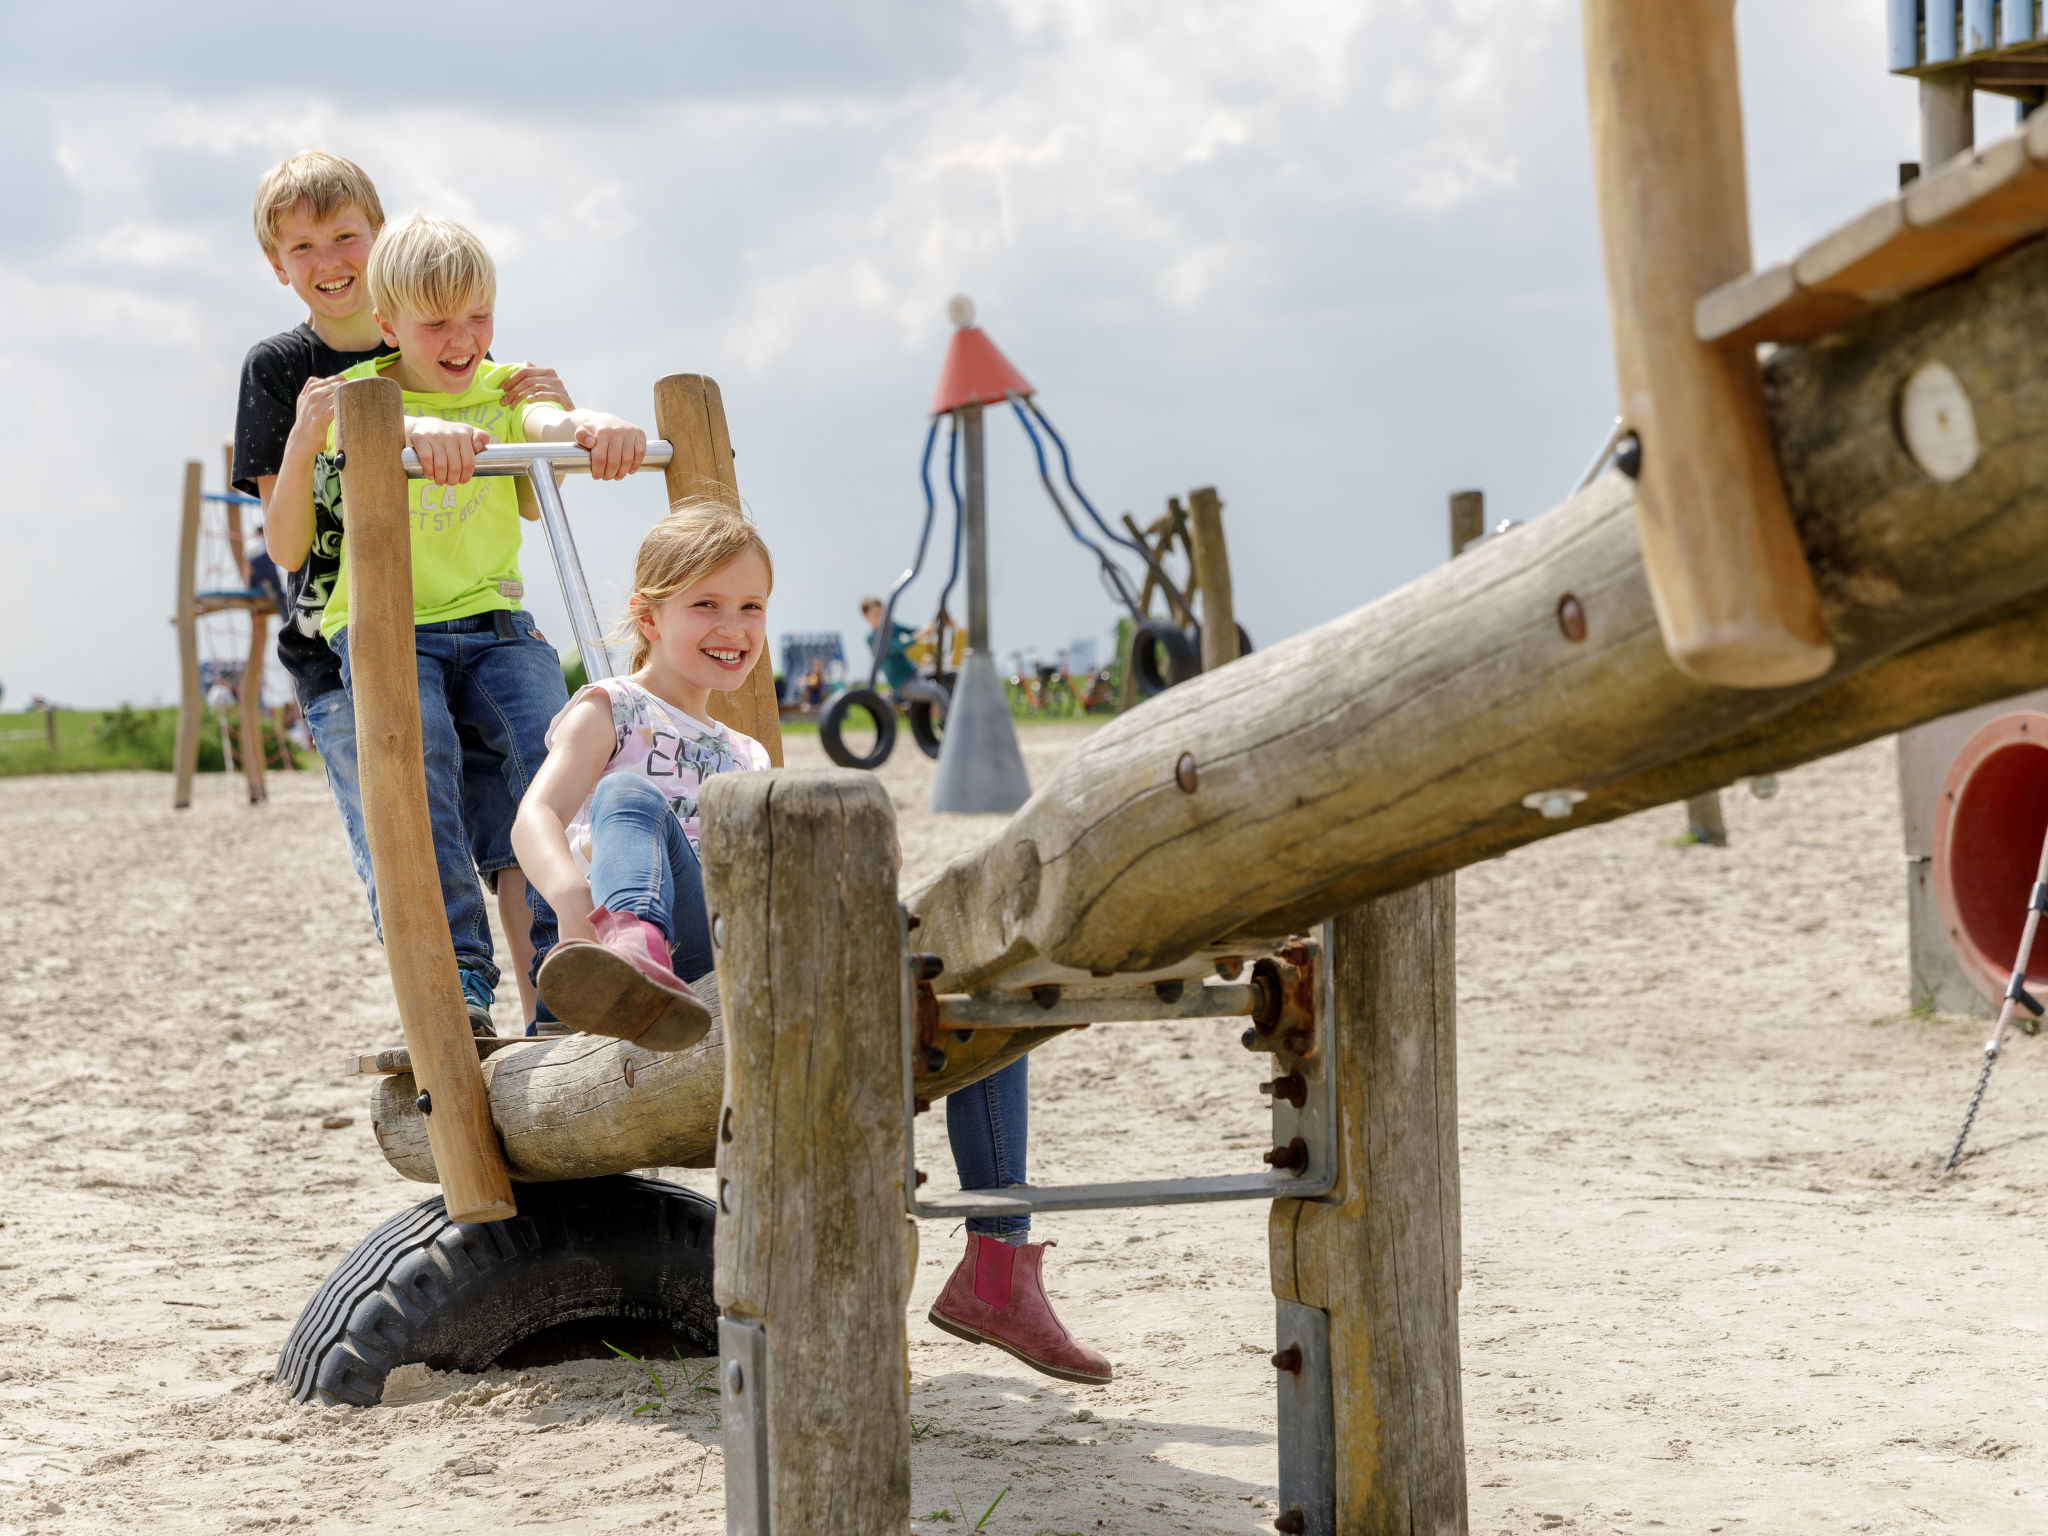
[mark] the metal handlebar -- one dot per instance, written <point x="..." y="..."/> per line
<point x="540" y="462"/>
<point x="517" y="458"/>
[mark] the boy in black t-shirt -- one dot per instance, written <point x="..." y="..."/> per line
<point x="317" y="216"/>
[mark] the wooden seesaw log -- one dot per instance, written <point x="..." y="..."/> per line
<point x="385" y="685"/>
<point x="1399" y="741"/>
<point x="1733" y="593"/>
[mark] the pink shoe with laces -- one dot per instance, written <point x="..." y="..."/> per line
<point x="622" y="986"/>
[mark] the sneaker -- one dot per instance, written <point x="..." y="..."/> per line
<point x="622" y="986"/>
<point x="477" y="997"/>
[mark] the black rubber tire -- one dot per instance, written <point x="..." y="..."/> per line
<point x="1156" y="639"/>
<point x="833" y="722"/>
<point x="928" y="719"/>
<point x="421" y="1289"/>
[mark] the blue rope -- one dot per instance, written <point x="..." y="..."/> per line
<point x="1113" y="576"/>
<point x="232" y="498"/>
<point x="924" y="538"/>
<point x="959" y="518"/>
<point x="1067" y="471"/>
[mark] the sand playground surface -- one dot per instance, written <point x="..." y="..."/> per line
<point x="1710" y="1281"/>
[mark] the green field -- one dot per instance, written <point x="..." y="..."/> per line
<point x="94" y="741"/>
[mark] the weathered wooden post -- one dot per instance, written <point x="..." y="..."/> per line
<point x="1704" y="822"/>
<point x="690" y="413"/>
<point x="385" y="679"/>
<point x="1211" y="562"/>
<point x="190" y="703"/>
<point x="252" y="705"/>
<point x="1376" y="1264"/>
<point x="1468" y="519"/>
<point x="1734" y="598"/>
<point x="815" y="1249"/>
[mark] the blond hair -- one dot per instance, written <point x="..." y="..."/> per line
<point x="700" y="536"/>
<point x="324" y="184"/>
<point x="429" y="268"/>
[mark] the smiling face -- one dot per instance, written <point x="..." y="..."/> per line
<point x="322" y="260"/>
<point x="707" y="637"/>
<point x="440" y="354"/>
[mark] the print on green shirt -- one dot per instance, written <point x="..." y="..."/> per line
<point x="465" y="538"/>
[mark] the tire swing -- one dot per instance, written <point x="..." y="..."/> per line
<point x="592" y="1260"/>
<point x="925" y="697"/>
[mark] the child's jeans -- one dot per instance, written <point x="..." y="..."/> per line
<point x="487" y="804"/>
<point x="989" y="1125"/>
<point x="493" y="674"/>
<point x="641" y="862"/>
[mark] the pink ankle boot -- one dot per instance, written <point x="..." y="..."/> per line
<point x="996" y="1295"/>
<point x="622" y="986"/>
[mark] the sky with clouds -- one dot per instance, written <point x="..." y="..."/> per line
<point x="1334" y="257"/>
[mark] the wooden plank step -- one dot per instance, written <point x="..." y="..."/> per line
<point x="394" y="1059"/>
<point x="1945" y="224"/>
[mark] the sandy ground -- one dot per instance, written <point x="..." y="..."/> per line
<point x="1711" y="1283"/>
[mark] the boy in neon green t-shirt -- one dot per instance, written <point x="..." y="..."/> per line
<point x="482" y="663"/>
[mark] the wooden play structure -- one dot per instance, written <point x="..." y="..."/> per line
<point x="1781" y="561"/>
<point x="214" y="579"/>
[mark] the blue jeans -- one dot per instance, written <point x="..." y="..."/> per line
<point x="493" y="674"/>
<point x="640" y="862"/>
<point x="989" y="1125"/>
<point x="332" y="720"/>
<point x="487" y="805"/>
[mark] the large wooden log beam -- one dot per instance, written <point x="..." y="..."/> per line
<point x="1400" y="740"/>
<point x="576" y="1108"/>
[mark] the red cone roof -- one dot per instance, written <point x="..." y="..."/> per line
<point x="975" y="373"/>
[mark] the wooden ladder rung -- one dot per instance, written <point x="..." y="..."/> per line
<point x="394" y="1059"/>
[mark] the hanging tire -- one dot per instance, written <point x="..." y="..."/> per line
<point x="622" y="1255"/>
<point x="832" y="727"/>
<point x="925" y="700"/>
<point x="1162" y="654"/>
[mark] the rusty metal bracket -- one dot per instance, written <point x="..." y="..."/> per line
<point x="1290" y="989"/>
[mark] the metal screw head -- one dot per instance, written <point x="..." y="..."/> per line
<point x="1288" y="1359"/>
<point x="1184" y="773"/>
<point x="424" y="1103"/>
<point x="735" y="1378"/>
<point x="718" y="931"/>
<point x="1628" y="456"/>
<point x="1571" y="618"/>
<point x="1292" y="1523"/>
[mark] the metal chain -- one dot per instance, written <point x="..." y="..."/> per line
<point x="1970" y="1114"/>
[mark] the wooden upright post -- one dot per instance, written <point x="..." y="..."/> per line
<point x="815" y="1252"/>
<point x="385" y="682"/>
<point x="1211" y="562"/>
<point x="252" y="705"/>
<point x="191" y="703"/>
<point x="1734" y="598"/>
<point x="690" y="414"/>
<point x="1468" y="519"/>
<point x="1381" y="1253"/>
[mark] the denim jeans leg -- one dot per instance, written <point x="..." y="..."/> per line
<point x="487" y="804"/>
<point x="332" y="720"/>
<point x="989" y="1126"/>
<point x="461" y="896"/>
<point x="630" y="869"/>
<point x="510" y="690"/>
<point x="641" y="862"/>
